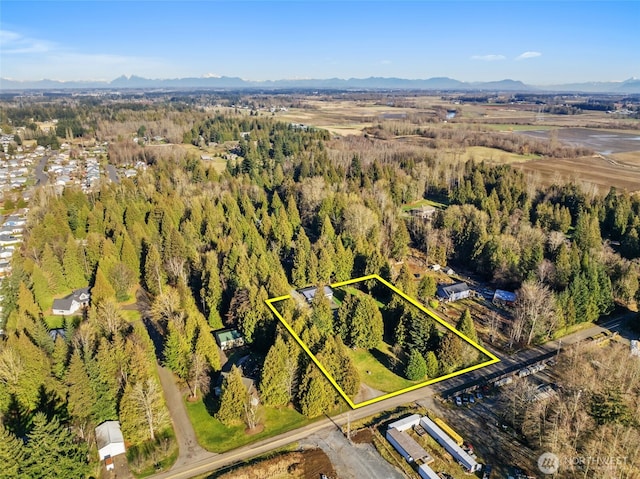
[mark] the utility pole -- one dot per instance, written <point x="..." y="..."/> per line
<point x="348" y="426"/>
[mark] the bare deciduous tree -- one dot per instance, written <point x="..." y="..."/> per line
<point x="534" y="311"/>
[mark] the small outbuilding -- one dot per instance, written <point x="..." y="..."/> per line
<point x="310" y="292"/>
<point x="109" y="440"/>
<point x="425" y="212"/>
<point x="453" y="292"/>
<point x="229" y="339"/>
<point x="504" y="298"/>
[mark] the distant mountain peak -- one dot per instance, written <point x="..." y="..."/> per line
<point x="210" y="80"/>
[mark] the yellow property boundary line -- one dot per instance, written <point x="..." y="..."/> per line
<point x="493" y="359"/>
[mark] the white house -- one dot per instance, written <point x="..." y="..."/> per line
<point x="109" y="440"/>
<point x="72" y="303"/>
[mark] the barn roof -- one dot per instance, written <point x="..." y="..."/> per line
<point x="108" y="433"/>
<point x="450" y="289"/>
<point x="506" y="296"/>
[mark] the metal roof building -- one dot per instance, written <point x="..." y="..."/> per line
<point x="407" y="447"/>
<point x="109" y="439"/>
<point x="464" y="459"/>
<point x="425" y="472"/>
<point x="310" y="292"/>
<point x="405" y="423"/>
<point x="453" y="292"/>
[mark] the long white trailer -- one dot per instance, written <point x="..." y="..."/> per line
<point x="405" y="423"/>
<point x="464" y="459"/>
<point x="425" y="472"/>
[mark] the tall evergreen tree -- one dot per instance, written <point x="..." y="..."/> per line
<point x="232" y="398"/>
<point x="73" y="272"/>
<point x="211" y="291"/>
<point x="416" y="366"/>
<point x="102" y="289"/>
<point x="129" y="255"/>
<point x="450" y="352"/>
<point x="177" y="350"/>
<point x="12" y="455"/>
<point x="367" y="325"/>
<point x="274" y="378"/>
<point x="65" y="457"/>
<point x="432" y="365"/>
<point x="316" y="395"/>
<point x="53" y="270"/>
<point x="81" y="395"/>
<point x="465" y="326"/>
<point x="427" y="288"/>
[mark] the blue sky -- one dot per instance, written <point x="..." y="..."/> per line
<point x="541" y="42"/>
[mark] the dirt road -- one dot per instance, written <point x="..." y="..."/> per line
<point x="190" y="450"/>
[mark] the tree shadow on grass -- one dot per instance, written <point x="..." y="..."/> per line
<point x="210" y="400"/>
<point x="389" y="362"/>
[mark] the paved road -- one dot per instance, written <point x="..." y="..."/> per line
<point x="41" y="177"/>
<point x="201" y="464"/>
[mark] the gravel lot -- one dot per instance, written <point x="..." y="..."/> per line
<point x="352" y="461"/>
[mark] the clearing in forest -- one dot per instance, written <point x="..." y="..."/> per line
<point x="385" y="377"/>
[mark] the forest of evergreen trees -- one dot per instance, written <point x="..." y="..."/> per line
<point x="208" y="248"/>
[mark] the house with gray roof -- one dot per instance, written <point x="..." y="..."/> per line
<point x="71" y="304"/>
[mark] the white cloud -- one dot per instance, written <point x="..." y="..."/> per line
<point x="488" y="58"/>
<point x="12" y="43"/>
<point x="525" y="55"/>
<point x="26" y="58"/>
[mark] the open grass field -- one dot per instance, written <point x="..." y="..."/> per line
<point x="593" y="129"/>
<point x="592" y="172"/>
<point x="342" y="117"/>
<point x="374" y="373"/>
<point x="216" y="437"/>
<point x="494" y="155"/>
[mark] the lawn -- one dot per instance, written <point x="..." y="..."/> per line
<point x="131" y="315"/>
<point x="54" y="322"/>
<point x="216" y="437"/>
<point x="341" y="291"/>
<point x="374" y="373"/>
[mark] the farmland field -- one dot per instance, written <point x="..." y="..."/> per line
<point x="617" y="151"/>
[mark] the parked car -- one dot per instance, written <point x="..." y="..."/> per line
<point x="479" y="395"/>
<point x="487" y="472"/>
<point x="471" y="398"/>
<point x="458" y="401"/>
